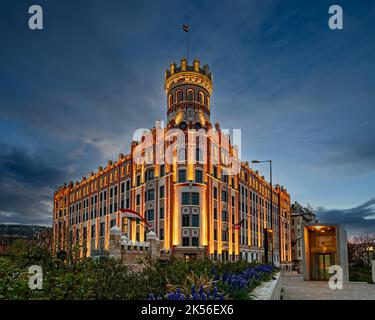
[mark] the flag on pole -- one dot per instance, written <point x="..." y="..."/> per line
<point x="237" y="226"/>
<point x="185" y="27"/>
<point x="131" y="214"/>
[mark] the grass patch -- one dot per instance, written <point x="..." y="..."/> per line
<point x="359" y="273"/>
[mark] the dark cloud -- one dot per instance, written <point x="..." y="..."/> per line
<point x="27" y="182"/>
<point x="72" y="95"/>
<point x="355" y="220"/>
<point x="25" y="168"/>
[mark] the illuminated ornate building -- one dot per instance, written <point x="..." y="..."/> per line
<point x="185" y="180"/>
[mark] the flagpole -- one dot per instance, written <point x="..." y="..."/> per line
<point x="187" y="48"/>
<point x="185" y="28"/>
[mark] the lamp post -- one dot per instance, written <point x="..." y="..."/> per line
<point x="271" y="212"/>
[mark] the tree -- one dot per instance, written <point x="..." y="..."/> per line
<point x="364" y="244"/>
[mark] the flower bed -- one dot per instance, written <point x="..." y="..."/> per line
<point x="221" y="285"/>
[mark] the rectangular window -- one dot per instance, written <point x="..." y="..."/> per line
<point x="102" y="229"/>
<point x="215" y="213"/>
<point x="215" y="234"/>
<point x="123" y="187"/>
<point x="181" y="175"/>
<point x="150" y="215"/>
<point x="138" y="200"/>
<point x="224" y="236"/>
<point x="195" y="242"/>
<point x="224" y="196"/>
<point x="113" y="223"/>
<point x="224" y="216"/>
<point x="185" y="242"/>
<point x="161" y="216"/>
<point x="127" y="185"/>
<point x="161" y="234"/>
<point x="215" y="193"/>
<point x="185" y="198"/>
<point x="198" y="176"/>
<point x="195" y="220"/>
<point x="151" y="175"/>
<point x="162" y="192"/>
<point x="150" y="196"/>
<point x="185" y="220"/>
<point x="138" y="180"/>
<point x="162" y="170"/>
<point x="195" y="198"/>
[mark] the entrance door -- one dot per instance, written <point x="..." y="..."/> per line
<point x="323" y="264"/>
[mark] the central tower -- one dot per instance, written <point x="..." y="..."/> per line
<point x="188" y="90"/>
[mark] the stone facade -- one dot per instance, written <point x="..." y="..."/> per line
<point x="300" y="216"/>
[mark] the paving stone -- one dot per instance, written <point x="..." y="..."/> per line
<point x="295" y="288"/>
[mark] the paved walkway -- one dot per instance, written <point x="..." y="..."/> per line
<point x="295" y="288"/>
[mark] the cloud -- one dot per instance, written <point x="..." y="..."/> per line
<point x="19" y="165"/>
<point x="27" y="182"/>
<point x="72" y="96"/>
<point x="357" y="219"/>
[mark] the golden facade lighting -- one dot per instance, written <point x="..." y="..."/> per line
<point x="188" y="89"/>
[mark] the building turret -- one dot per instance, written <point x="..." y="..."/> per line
<point x="188" y="90"/>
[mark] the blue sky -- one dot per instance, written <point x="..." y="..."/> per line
<point x="303" y="95"/>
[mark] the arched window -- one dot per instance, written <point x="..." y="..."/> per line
<point x="170" y="100"/>
<point x="201" y="97"/>
<point x="190" y="95"/>
<point x="178" y="96"/>
<point x="183" y="125"/>
<point x="208" y="102"/>
<point x="198" y="155"/>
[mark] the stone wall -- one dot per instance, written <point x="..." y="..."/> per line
<point x="134" y="252"/>
<point x="269" y="290"/>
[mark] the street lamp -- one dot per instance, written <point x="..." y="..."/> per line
<point x="271" y="212"/>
